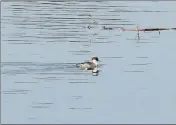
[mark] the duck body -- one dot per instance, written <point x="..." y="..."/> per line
<point x="87" y="65"/>
<point x="90" y="65"/>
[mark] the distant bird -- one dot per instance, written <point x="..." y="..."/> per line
<point x="88" y="27"/>
<point x="107" y="28"/>
<point x="91" y="65"/>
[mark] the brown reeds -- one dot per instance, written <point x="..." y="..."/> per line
<point x="147" y="29"/>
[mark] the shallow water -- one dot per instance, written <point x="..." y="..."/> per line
<point x="42" y="41"/>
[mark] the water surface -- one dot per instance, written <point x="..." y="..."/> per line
<point x="42" y="41"/>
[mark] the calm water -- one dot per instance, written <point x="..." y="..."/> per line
<point x="41" y="42"/>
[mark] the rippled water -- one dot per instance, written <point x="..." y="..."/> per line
<point x="42" y="41"/>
